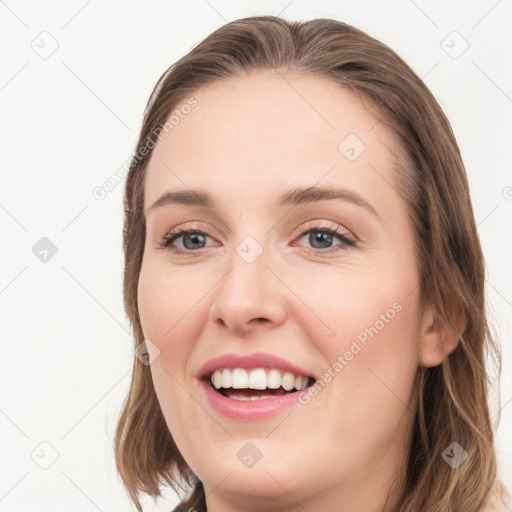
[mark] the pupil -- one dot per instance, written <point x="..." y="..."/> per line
<point x="194" y="237"/>
<point x="323" y="238"/>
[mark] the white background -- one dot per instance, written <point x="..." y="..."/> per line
<point x="71" y="120"/>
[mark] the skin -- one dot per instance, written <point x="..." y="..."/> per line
<point x="248" y="140"/>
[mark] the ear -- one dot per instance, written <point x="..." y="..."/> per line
<point x="438" y="340"/>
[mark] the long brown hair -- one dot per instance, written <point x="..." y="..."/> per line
<point x="453" y="396"/>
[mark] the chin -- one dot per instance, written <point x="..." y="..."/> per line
<point x="255" y="484"/>
<point x="265" y="477"/>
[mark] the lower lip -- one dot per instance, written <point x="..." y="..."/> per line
<point x="248" y="409"/>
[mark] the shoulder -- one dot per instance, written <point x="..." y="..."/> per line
<point x="498" y="499"/>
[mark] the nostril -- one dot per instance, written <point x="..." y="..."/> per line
<point x="258" y="320"/>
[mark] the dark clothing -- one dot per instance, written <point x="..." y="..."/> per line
<point x="196" y="502"/>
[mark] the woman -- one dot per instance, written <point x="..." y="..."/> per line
<point x="323" y="346"/>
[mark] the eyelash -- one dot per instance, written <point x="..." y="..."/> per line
<point x="347" y="241"/>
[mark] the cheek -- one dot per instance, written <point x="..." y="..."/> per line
<point x="369" y="364"/>
<point x="168" y="309"/>
<point x="369" y="333"/>
<point x="163" y="301"/>
<point x="172" y="313"/>
<point x="360" y="302"/>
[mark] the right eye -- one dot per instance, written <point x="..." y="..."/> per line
<point x="192" y="239"/>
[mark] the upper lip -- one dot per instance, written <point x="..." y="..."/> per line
<point x="248" y="362"/>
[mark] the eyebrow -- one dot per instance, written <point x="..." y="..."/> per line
<point x="295" y="196"/>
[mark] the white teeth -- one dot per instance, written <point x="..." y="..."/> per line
<point x="248" y="398"/>
<point x="240" y="379"/>
<point x="258" y="378"/>
<point x="227" y="380"/>
<point x="288" y="381"/>
<point x="217" y="379"/>
<point x="274" y="379"/>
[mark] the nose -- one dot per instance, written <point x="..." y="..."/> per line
<point x="249" y="297"/>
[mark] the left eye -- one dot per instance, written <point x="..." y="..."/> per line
<point x="322" y="238"/>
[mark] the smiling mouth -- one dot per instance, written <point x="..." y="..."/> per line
<point x="259" y="384"/>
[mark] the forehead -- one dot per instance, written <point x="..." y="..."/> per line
<point x="267" y="131"/>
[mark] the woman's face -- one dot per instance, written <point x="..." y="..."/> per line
<point x="261" y="275"/>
